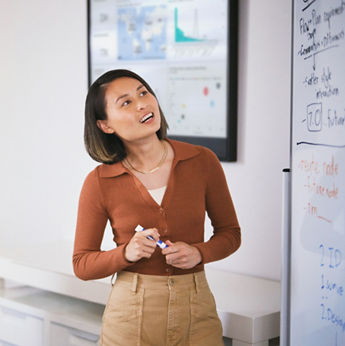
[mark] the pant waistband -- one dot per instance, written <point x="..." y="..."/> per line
<point x="135" y="281"/>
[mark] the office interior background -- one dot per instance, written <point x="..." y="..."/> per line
<point x="44" y="84"/>
<point x="44" y="80"/>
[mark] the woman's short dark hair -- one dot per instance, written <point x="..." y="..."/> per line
<point x="102" y="147"/>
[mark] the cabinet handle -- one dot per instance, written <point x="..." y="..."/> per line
<point x="13" y="313"/>
<point x="81" y="338"/>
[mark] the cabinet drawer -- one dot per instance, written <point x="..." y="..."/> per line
<point x="20" y="328"/>
<point x="63" y="335"/>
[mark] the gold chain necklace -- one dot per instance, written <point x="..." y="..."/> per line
<point x="161" y="161"/>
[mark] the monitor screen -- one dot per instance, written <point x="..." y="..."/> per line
<point x="186" y="51"/>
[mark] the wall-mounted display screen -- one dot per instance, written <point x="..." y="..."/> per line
<point x="186" y="51"/>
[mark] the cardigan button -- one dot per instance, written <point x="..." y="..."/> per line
<point x="161" y="210"/>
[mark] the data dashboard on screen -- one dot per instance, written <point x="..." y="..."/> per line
<point x="181" y="48"/>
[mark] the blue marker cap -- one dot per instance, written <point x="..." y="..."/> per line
<point x="159" y="243"/>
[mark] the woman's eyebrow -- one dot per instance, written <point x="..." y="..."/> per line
<point x="121" y="97"/>
<point x="125" y="95"/>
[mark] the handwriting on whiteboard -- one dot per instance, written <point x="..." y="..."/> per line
<point x="331" y="259"/>
<point x="320" y="179"/>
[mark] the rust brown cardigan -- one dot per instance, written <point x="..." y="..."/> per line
<point x="110" y="192"/>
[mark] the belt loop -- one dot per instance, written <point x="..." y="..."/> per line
<point x="196" y="283"/>
<point x="135" y="283"/>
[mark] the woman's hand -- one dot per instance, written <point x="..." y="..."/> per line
<point x="181" y="255"/>
<point x="141" y="247"/>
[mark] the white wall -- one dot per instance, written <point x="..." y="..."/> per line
<point x="263" y="135"/>
<point x="43" y="85"/>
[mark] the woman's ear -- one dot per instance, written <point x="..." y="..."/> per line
<point x="102" y="125"/>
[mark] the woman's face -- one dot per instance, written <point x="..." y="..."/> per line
<point x="132" y="111"/>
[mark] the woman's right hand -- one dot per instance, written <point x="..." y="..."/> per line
<point x="141" y="247"/>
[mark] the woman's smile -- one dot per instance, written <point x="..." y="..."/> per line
<point x="147" y="119"/>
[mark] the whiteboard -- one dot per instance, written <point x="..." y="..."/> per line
<point x="318" y="174"/>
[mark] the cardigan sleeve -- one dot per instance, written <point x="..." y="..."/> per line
<point x="89" y="261"/>
<point x="226" y="237"/>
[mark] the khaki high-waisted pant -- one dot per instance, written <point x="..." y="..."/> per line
<point x="152" y="310"/>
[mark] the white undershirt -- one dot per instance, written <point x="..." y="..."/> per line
<point x="158" y="194"/>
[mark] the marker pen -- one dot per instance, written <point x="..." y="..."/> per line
<point x="159" y="243"/>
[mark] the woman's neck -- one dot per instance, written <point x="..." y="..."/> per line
<point x="144" y="155"/>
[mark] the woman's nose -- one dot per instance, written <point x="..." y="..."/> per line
<point x="140" y="105"/>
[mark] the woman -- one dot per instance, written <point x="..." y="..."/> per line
<point x="160" y="297"/>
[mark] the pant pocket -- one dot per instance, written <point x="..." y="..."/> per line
<point x="206" y="328"/>
<point x="122" y="317"/>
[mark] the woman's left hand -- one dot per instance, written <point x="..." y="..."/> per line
<point x="181" y="255"/>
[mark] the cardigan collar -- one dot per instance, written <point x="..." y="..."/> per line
<point x="182" y="151"/>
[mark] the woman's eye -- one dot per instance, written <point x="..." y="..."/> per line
<point x="126" y="103"/>
<point x="143" y="93"/>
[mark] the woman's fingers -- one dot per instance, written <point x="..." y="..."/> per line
<point x="153" y="232"/>
<point x="141" y="246"/>
<point x="182" y="255"/>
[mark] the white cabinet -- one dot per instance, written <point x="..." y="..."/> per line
<point x="20" y="328"/>
<point x="34" y="317"/>
<point x="67" y="336"/>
